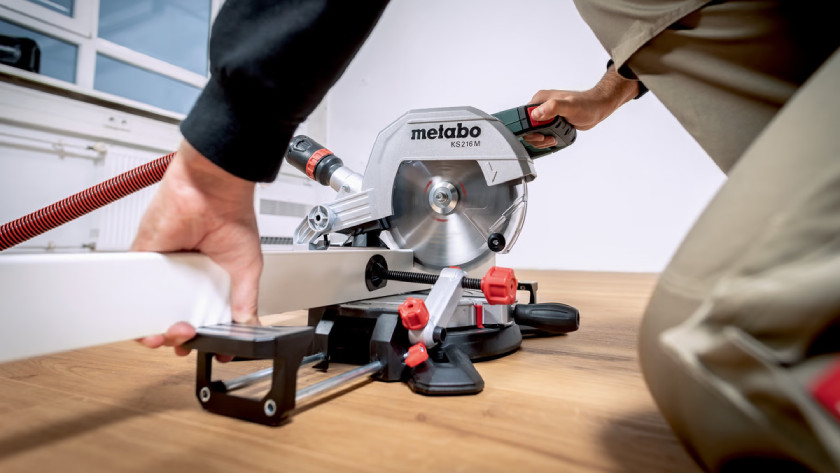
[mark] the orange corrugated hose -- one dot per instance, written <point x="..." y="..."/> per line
<point x="61" y="212"/>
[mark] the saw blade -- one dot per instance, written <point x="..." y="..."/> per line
<point x="444" y="212"/>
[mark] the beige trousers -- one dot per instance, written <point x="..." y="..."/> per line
<point x="747" y="314"/>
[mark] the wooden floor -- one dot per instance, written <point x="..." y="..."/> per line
<point x="573" y="403"/>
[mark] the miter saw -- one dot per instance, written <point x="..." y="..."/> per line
<point x="448" y="184"/>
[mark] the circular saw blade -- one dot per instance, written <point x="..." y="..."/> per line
<point x="444" y="211"/>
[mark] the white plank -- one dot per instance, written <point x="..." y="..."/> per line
<point x="56" y="302"/>
<point x="59" y="302"/>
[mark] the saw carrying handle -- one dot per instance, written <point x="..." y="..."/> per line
<point x="519" y="121"/>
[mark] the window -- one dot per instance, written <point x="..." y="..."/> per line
<point x="65" y="7"/>
<point x="152" y="27"/>
<point x="56" y="58"/>
<point x="124" y="49"/>
<point x="118" y="78"/>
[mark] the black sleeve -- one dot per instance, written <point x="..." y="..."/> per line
<point x="271" y="63"/>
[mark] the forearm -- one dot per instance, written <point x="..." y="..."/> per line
<point x="198" y="172"/>
<point x="613" y="91"/>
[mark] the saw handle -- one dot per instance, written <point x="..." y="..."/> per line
<point x="550" y="317"/>
<point x="519" y="121"/>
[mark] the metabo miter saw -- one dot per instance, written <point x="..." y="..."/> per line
<point x="448" y="184"/>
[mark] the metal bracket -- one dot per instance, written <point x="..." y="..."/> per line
<point x="285" y="345"/>
<point x="345" y="212"/>
<point x="441" y="303"/>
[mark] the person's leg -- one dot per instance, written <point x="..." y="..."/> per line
<point x="724" y="72"/>
<point x="747" y="314"/>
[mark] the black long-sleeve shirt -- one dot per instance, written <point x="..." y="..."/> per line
<point x="271" y="63"/>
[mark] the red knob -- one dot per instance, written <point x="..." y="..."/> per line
<point x="417" y="354"/>
<point x="499" y="286"/>
<point x="826" y="390"/>
<point x="414" y="314"/>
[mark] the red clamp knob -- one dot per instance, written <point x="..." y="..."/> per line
<point x="417" y="354"/>
<point x="826" y="390"/>
<point x="414" y="314"/>
<point x="499" y="286"/>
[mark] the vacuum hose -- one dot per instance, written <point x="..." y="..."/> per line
<point x="61" y="212"/>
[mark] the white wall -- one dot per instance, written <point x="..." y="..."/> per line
<point x="620" y="199"/>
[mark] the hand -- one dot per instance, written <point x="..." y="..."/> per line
<point x="582" y="109"/>
<point x="199" y="206"/>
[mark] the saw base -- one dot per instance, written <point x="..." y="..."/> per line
<point x="350" y="333"/>
<point x="370" y="334"/>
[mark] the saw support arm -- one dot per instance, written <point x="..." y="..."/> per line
<point x="440" y="303"/>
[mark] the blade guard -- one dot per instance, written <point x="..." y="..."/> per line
<point x="416" y="136"/>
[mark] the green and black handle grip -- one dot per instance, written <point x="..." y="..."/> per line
<point x="519" y="121"/>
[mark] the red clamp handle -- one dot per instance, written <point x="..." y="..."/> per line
<point x="417" y="354"/>
<point x="499" y="286"/>
<point x="414" y="314"/>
